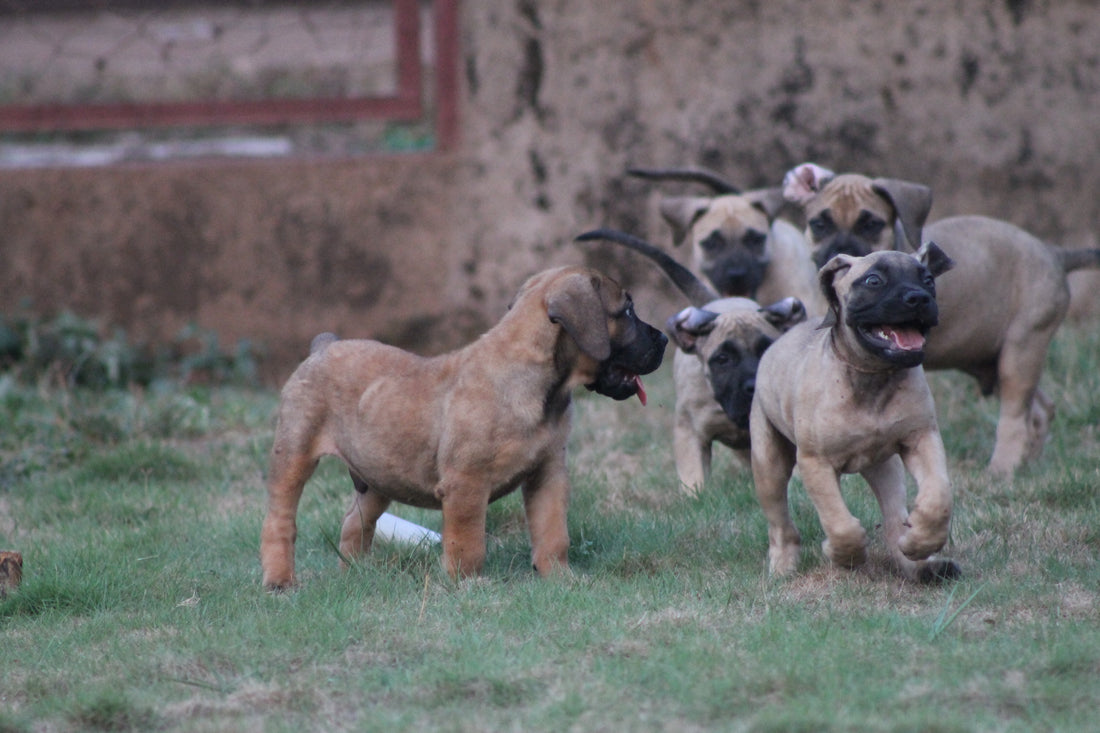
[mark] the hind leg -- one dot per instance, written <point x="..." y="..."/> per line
<point x="357" y="533"/>
<point x="290" y="469"/>
<point x="1039" y="421"/>
<point x="1021" y="429"/>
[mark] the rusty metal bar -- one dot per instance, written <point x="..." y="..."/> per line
<point x="404" y="105"/>
<point x="446" y="74"/>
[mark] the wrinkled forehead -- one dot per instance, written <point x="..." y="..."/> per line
<point x="850" y="193"/>
<point x="730" y="212"/>
<point x="746" y="329"/>
<point x="893" y="264"/>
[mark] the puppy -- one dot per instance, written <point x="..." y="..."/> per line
<point x="720" y="344"/>
<point x="846" y="394"/>
<point x="714" y="371"/>
<point x="737" y="241"/>
<point x="458" y="431"/>
<point x="1000" y="307"/>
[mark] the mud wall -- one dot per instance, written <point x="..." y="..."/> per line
<point x="993" y="103"/>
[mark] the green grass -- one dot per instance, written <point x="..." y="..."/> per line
<point x="138" y="516"/>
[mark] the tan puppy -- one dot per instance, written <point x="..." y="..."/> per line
<point x="458" y="431"/>
<point x="846" y="394"/>
<point x="1000" y="307"/>
<point x="737" y="241"/>
<point x="715" y="374"/>
<point x="721" y="341"/>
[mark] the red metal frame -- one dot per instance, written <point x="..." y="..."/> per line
<point x="404" y="105"/>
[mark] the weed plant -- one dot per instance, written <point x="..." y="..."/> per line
<point x="138" y="511"/>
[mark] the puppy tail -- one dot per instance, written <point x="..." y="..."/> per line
<point x="697" y="292"/>
<point x="1076" y="259"/>
<point x="717" y="183"/>
<point x="321" y="340"/>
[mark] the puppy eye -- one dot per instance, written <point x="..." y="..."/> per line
<point x="869" y="226"/>
<point x="821" y="227"/>
<point x="873" y="281"/>
<point x="712" y="242"/>
<point x="725" y="358"/>
<point x="754" y="239"/>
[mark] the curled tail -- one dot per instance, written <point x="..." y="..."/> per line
<point x="697" y="292"/>
<point x="1076" y="259"/>
<point x="694" y="175"/>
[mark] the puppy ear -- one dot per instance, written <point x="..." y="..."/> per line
<point x="769" y="200"/>
<point x="826" y="276"/>
<point x="911" y="202"/>
<point x="576" y="306"/>
<point x="934" y="258"/>
<point x="784" y="314"/>
<point x="803" y="182"/>
<point x="681" y="213"/>
<point x="688" y="326"/>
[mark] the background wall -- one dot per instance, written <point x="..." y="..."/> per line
<point x="994" y="103"/>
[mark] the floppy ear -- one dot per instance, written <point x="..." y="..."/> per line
<point x="934" y="258"/>
<point x="689" y="325"/>
<point x="768" y="200"/>
<point x="681" y="213"/>
<point x="576" y="306"/>
<point x="784" y="314"/>
<point x="825" y="276"/>
<point x="911" y="202"/>
<point x="803" y="182"/>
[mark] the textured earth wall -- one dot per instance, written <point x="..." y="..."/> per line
<point x="995" y="104"/>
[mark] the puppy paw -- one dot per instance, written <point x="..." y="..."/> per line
<point x="934" y="572"/>
<point x="279" y="586"/>
<point x="846" y="548"/>
<point x="783" y="560"/>
<point x="920" y="545"/>
<point x="847" y="555"/>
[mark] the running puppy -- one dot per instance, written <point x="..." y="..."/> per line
<point x="999" y="308"/>
<point x="846" y="394"/>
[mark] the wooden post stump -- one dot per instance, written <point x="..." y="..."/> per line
<point x="11" y="571"/>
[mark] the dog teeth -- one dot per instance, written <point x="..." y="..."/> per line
<point x="906" y="339"/>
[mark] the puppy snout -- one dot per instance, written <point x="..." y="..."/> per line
<point x="748" y="387"/>
<point x="917" y="299"/>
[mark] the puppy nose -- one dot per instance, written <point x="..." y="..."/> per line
<point x="917" y="298"/>
<point x="748" y="386"/>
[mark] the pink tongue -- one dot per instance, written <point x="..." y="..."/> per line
<point x="908" y="339"/>
<point x="641" y="389"/>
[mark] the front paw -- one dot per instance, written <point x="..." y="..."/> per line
<point x="920" y="545"/>
<point x="847" y="549"/>
<point x="783" y="560"/>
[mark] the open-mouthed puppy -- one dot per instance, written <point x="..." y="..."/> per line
<point x="721" y="341"/>
<point x="737" y="242"/>
<point x="846" y="394"/>
<point x="458" y="431"/>
<point x="999" y="308"/>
